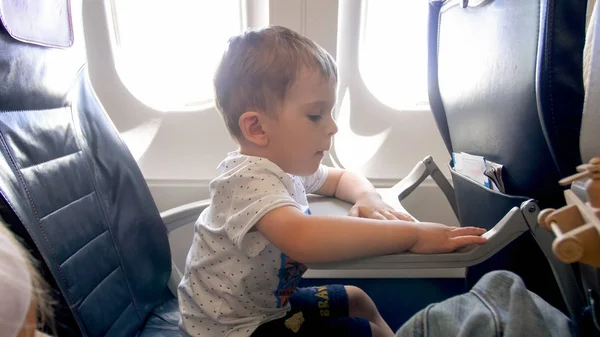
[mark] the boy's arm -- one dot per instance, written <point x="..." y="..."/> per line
<point x="355" y="188"/>
<point x="317" y="239"/>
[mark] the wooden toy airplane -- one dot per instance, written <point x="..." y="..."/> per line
<point x="577" y="225"/>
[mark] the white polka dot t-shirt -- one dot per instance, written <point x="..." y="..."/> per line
<point x="235" y="279"/>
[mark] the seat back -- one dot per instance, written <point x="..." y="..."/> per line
<point x="590" y="139"/>
<point x="505" y="82"/>
<point x="73" y="190"/>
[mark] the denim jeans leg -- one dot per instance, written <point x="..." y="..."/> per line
<point x="498" y="305"/>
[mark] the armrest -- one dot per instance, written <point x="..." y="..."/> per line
<point x="424" y="168"/>
<point x="505" y="231"/>
<point x="175" y="218"/>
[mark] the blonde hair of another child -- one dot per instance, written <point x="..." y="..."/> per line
<point x="17" y="266"/>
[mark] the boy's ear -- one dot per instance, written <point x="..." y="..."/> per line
<point x="251" y="124"/>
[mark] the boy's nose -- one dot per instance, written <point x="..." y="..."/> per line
<point x="333" y="128"/>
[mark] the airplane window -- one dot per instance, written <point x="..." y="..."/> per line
<point x="393" y="52"/>
<point x="166" y="52"/>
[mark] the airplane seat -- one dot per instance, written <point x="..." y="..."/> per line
<point x="590" y="138"/>
<point x="505" y="83"/>
<point x="70" y="188"/>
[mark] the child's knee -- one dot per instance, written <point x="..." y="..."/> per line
<point x="360" y="304"/>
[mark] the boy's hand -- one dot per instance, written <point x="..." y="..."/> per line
<point x="372" y="206"/>
<point x="438" y="238"/>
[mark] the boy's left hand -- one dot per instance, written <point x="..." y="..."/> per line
<point x="373" y="207"/>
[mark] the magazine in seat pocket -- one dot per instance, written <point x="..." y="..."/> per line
<point x="478" y="205"/>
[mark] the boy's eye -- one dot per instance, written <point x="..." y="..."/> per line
<point x="315" y="118"/>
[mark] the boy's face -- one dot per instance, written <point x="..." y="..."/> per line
<point x="303" y="129"/>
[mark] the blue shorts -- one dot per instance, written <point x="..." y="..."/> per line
<point x="325" y="313"/>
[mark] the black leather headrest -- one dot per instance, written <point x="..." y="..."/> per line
<point x="41" y="52"/>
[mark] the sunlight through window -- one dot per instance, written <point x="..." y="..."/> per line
<point x="352" y="150"/>
<point x="393" y="52"/>
<point x="167" y="51"/>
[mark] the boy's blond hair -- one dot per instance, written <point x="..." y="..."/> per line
<point x="258" y="69"/>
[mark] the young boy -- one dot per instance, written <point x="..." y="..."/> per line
<point x="276" y="90"/>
